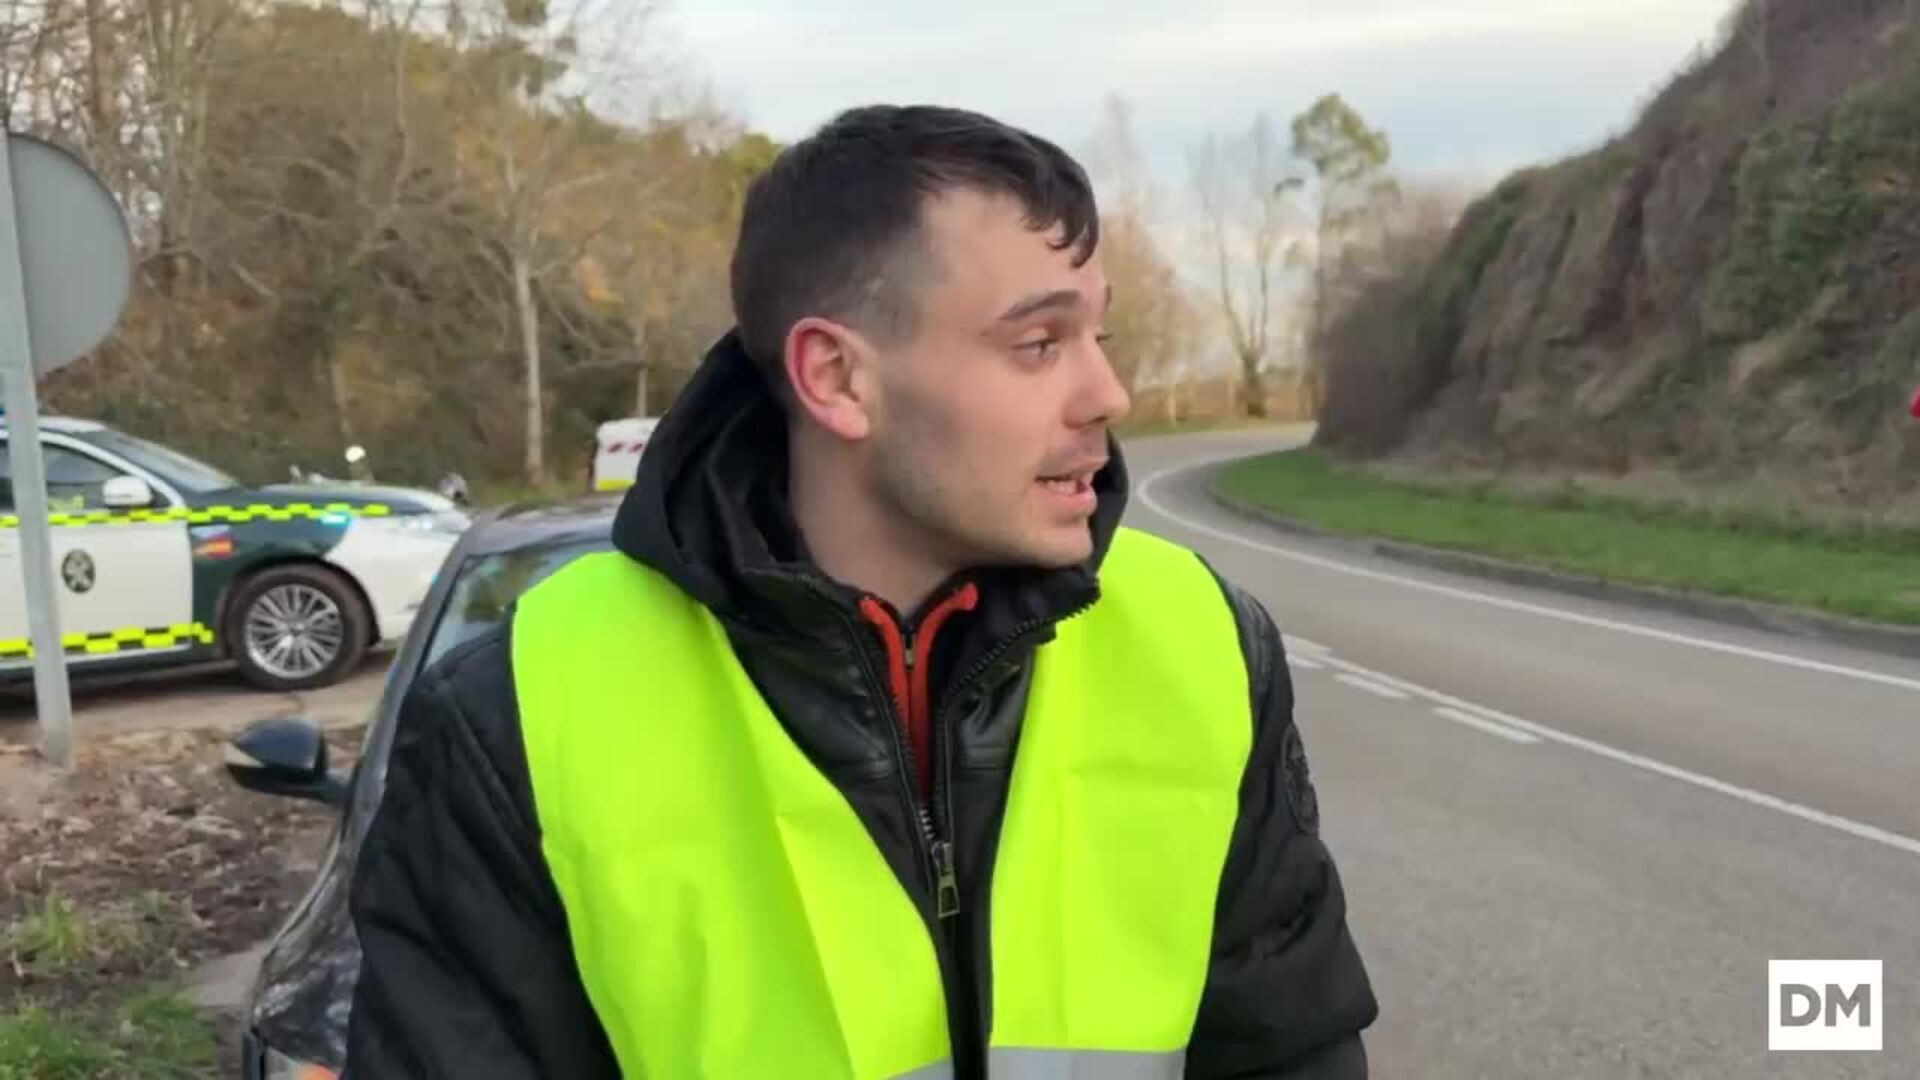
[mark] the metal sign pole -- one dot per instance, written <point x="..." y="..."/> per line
<point x="53" y="701"/>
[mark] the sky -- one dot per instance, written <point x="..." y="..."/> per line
<point x="1465" y="89"/>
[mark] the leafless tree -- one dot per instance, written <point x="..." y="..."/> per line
<point x="1243" y="185"/>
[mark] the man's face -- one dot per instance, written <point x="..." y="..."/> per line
<point x="991" y="420"/>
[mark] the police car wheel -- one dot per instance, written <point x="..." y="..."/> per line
<point x="297" y="627"/>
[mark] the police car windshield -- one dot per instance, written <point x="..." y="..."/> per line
<point x="176" y="468"/>
<point x="488" y="586"/>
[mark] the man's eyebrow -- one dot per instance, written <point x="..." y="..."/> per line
<point x="1038" y="302"/>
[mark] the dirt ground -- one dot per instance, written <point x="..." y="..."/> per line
<point x="143" y="862"/>
<point x="204" y="697"/>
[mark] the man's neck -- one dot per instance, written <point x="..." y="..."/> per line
<point x="851" y="539"/>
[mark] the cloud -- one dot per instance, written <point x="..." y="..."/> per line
<point x="1468" y="86"/>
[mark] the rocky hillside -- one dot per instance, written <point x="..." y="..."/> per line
<point x="1731" y="286"/>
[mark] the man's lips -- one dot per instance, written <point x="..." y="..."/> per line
<point x="1082" y="472"/>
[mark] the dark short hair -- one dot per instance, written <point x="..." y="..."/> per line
<point x="833" y="227"/>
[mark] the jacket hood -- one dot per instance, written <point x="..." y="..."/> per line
<point x="708" y="509"/>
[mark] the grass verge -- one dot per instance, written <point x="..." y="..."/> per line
<point x="148" y="1033"/>
<point x="153" y="1035"/>
<point x="1855" y="570"/>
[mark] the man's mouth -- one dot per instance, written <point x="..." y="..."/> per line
<point x="1075" y="481"/>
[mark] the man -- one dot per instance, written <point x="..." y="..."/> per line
<point x="878" y="748"/>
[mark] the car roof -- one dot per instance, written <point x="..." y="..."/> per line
<point x="537" y="524"/>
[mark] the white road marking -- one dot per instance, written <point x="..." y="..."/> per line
<point x="1304" y="663"/>
<point x="1849" y="826"/>
<point x="1374" y="681"/>
<point x="1460" y="712"/>
<point x="1543" y="610"/>
<point x="1461" y="716"/>
<point x="1371" y="687"/>
<point x="1296" y="643"/>
<point x="1402" y="685"/>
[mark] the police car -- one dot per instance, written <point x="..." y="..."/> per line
<point x="162" y="559"/>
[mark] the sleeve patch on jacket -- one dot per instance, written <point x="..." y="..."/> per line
<point x="1301" y="798"/>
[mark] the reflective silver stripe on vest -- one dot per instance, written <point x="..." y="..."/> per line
<point x="939" y="1070"/>
<point x="1003" y="1064"/>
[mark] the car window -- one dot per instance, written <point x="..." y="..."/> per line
<point x="487" y="587"/>
<point x="176" y="468"/>
<point x="75" y="481"/>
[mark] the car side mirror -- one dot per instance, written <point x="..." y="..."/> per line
<point x="285" y="755"/>
<point x="126" y="493"/>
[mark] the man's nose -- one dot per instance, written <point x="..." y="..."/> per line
<point x="1105" y="398"/>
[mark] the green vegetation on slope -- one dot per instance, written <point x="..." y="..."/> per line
<point x="1860" y="571"/>
<point x="1727" y="288"/>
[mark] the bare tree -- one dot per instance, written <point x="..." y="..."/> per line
<point x="1242" y="184"/>
<point x="541" y="152"/>
<point x="1153" y="323"/>
<point x="647" y="262"/>
<point x="1117" y="164"/>
<point x="383" y="206"/>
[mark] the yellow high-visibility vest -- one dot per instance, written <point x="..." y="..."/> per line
<point x="731" y="916"/>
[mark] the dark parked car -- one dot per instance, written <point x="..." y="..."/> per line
<point x="297" y="1012"/>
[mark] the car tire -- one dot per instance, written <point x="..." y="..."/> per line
<point x="297" y="627"/>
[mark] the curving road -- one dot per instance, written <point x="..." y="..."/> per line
<point x="1574" y="833"/>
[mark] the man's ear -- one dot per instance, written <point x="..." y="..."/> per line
<point x="826" y="369"/>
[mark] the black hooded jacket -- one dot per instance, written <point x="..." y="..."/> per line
<point x="467" y="969"/>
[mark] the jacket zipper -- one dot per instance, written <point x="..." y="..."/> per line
<point x="964" y="1000"/>
<point x="930" y="845"/>
<point x="936" y="850"/>
<point x="936" y="856"/>
<point x="946" y="871"/>
<point x="936" y="824"/>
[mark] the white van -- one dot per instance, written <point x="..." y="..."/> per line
<point x="617" y="449"/>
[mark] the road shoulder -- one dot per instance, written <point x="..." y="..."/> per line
<point x="1744" y="614"/>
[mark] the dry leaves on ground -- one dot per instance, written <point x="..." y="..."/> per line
<point x="143" y="862"/>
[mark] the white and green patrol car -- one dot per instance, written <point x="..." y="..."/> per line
<point x="160" y="559"/>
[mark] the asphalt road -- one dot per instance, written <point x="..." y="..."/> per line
<point x="1573" y="834"/>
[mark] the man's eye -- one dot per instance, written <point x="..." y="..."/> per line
<point x="1043" y="349"/>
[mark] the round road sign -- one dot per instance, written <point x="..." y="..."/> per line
<point x="75" y="250"/>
